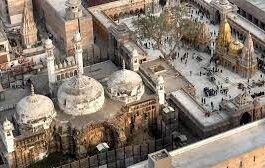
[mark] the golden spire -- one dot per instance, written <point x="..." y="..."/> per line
<point x="225" y="36"/>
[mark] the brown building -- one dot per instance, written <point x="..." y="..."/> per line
<point x="12" y="11"/>
<point x="63" y="18"/>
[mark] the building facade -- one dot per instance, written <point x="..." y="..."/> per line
<point x="232" y="54"/>
<point x="63" y="22"/>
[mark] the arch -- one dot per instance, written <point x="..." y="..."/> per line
<point x="126" y="14"/>
<point x="121" y="14"/>
<point x="217" y="17"/>
<point x="115" y="17"/>
<point x="63" y="76"/>
<point x="131" y="12"/>
<point x="245" y="118"/>
<point x="58" y="77"/>
<point x="75" y="72"/>
<point x="67" y="75"/>
<point x="137" y="11"/>
<point x="71" y="74"/>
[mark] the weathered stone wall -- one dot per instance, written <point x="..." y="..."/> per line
<point x="85" y="26"/>
<point x="63" y="30"/>
<point x="30" y="149"/>
<point x="54" y="24"/>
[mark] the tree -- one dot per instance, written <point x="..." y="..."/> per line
<point x="165" y="30"/>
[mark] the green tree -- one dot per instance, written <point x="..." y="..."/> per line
<point x="165" y="30"/>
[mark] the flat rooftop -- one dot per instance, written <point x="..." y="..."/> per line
<point x="258" y="3"/>
<point x="197" y="111"/>
<point x="254" y="30"/>
<point x="59" y="6"/>
<point x="173" y="79"/>
<point x="216" y="149"/>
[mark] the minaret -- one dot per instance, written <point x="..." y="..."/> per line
<point x="29" y="29"/>
<point x="78" y="52"/>
<point x="160" y="89"/>
<point x="73" y="9"/>
<point x="50" y="63"/>
<point x="7" y="136"/>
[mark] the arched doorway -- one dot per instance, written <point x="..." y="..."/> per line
<point x="245" y="118"/>
<point x="217" y="17"/>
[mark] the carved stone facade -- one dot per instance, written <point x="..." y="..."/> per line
<point x="116" y="132"/>
<point x="31" y="148"/>
<point x="28" y="29"/>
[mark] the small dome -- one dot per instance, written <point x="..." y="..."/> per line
<point x="35" y="108"/>
<point x="81" y="95"/>
<point x="125" y="86"/>
<point x="235" y="48"/>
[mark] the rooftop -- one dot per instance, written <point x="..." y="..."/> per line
<point x="59" y="6"/>
<point x="173" y="79"/>
<point x="258" y="3"/>
<point x="216" y="149"/>
<point x="197" y="111"/>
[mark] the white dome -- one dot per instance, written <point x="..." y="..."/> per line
<point x="125" y="86"/>
<point x="81" y="95"/>
<point x="34" y="109"/>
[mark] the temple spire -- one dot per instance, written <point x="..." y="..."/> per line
<point x="29" y="29"/>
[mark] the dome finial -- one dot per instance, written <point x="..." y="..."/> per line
<point x="32" y="90"/>
<point x="123" y="65"/>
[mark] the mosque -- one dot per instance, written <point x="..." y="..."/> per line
<point x="83" y="113"/>
<point x="234" y="55"/>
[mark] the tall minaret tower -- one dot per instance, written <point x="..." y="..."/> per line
<point x="160" y="89"/>
<point x="73" y="9"/>
<point x="28" y="29"/>
<point x="7" y="136"/>
<point x="50" y="63"/>
<point x="78" y="52"/>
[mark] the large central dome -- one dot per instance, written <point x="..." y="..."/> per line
<point x="125" y="86"/>
<point x="81" y="95"/>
